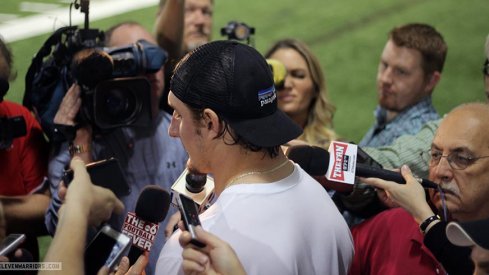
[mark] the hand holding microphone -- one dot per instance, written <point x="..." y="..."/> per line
<point x="410" y="196"/>
<point x="315" y="161"/>
<point x="151" y="208"/>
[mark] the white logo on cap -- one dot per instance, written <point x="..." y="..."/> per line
<point x="267" y="96"/>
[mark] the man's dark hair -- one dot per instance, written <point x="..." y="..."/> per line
<point x="424" y="38"/>
<point x="197" y="114"/>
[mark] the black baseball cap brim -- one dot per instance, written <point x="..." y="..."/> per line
<point x="273" y="130"/>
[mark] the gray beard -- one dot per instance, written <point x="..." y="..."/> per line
<point x="194" y="45"/>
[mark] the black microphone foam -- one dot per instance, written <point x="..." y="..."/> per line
<point x="315" y="161"/>
<point x="153" y="204"/>
<point x="195" y="182"/>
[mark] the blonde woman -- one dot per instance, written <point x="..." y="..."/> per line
<point x="304" y="97"/>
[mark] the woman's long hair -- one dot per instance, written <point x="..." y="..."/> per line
<point x="318" y="129"/>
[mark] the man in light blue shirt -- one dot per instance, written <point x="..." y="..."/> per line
<point x="409" y="69"/>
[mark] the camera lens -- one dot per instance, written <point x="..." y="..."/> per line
<point x="241" y="32"/>
<point x="122" y="102"/>
<point x="119" y="105"/>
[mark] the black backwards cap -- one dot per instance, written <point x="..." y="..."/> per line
<point x="235" y="81"/>
<point x="469" y="233"/>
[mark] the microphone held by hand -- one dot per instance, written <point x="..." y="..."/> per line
<point x="151" y="209"/>
<point x="315" y="161"/>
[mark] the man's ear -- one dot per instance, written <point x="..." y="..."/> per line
<point x="211" y="121"/>
<point x="432" y="81"/>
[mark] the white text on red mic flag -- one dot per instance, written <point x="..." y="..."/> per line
<point x="342" y="162"/>
<point x="143" y="233"/>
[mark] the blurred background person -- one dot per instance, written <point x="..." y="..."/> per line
<point x="409" y="69"/>
<point x="24" y="155"/>
<point x="304" y="97"/>
<point x="181" y="26"/>
<point x="197" y="23"/>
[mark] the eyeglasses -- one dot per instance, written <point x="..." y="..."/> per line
<point x="485" y="67"/>
<point x="456" y="160"/>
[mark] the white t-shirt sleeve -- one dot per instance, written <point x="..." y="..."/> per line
<point x="170" y="259"/>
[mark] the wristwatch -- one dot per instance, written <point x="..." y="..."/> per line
<point x="77" y="149"/>
<point x="424" y="225"/>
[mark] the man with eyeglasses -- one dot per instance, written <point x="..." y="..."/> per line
<point x="459" y="163"/>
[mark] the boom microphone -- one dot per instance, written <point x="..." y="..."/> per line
<point x="151" y="208"/>
<point x="315" y="161"/>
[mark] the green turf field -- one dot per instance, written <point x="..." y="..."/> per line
<point x="348" y="37"/>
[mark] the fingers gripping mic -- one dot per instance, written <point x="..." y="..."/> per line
<point x="151" y="208"/>
<point x="315" y="161"/>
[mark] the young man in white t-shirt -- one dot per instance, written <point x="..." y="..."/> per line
<point x="276" y="217"/>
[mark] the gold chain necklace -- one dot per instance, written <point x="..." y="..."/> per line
<point x="233" y="180"/>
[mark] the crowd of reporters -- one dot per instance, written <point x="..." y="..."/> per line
<point x="395" y="228"/>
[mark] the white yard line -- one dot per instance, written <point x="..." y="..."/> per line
<point x="26" y="27"/>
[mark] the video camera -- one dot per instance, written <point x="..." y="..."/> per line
<point x="242" y="32"/>
<point x="114" y="92"/>
<point x="238" y="31"/>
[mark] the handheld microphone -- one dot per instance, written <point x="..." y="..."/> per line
<point x="151" y="208"/>
<point x="278" y="71"/>
<point x="315" y="161"/>
<point x="197" y="186"/>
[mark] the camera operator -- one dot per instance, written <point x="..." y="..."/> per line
<point x="23" y="155"/>
<point x="146" y="154"/>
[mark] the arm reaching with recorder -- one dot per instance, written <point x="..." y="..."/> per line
<point x="217" y="257"/>
<point x="84" y="205"/>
